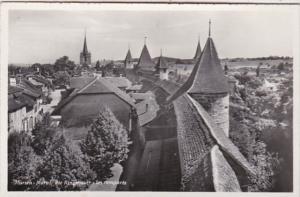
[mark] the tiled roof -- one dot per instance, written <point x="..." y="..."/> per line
<point x="42" y="80"/>
<point x="120" y="82"/>
<point x="14" y="104"/>
<point x="96" y="86"/>
<point x="14" y="89"/>
<point x="80" y="82"/>
<point x="194" y="139"/>
<point x="145" y="61"/>
<point x="29" y="88"/>
<point x="27" y="100"/>
<point x="207" y="75"/>
<point x="222" y="140"/>
<point x="117" y="91"/>
<point x="197" y="134"/>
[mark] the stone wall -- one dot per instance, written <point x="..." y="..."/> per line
<point x="217" y="106"/>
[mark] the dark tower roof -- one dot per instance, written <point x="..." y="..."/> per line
<point x="85" y="50"/>
<point x="207" y="76"/>
<point x="128" y="56"/>
<point x="145" y="61"/>
<point x="198" y="51"/>
<point x="161" y="63"/>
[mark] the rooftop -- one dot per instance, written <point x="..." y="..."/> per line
<point x="145" y="61"/>
<point x="14" y="104"/>
<point x="207" y="75"/>
<point x="87" y="85"/>
<point x="120" y="82"/>
<point x="128" y="56"/>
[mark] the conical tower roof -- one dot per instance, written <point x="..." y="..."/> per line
<point x="145" y="61"/>
<point x="198" y="51"/>
<point x="128" y="56"/>
<point x="207" y="76"/>
<point x="161" y="63"/>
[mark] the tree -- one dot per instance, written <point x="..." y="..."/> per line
<point x="35" y="67"/>
<point x="22" y="162"/>
<point x="105" y="144"/>
<point x="64" y="64"/>
<point x="54" y="160"/>
<point x="280" y="67"/>
<point x="98" y="67"/>
<point x="61" y="78"/>
<point x="266" y="166"/>
<point x="43" y="135"/>
<point x="63" y="166"/>
<point x="246" y="130"/>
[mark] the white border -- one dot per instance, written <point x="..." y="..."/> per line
<point x="5" y="7"/>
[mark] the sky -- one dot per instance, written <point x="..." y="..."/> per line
<point x="44" y="36"/>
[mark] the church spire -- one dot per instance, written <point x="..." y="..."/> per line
<point x="85" y="50"/>
<point x="209" y="29"/>
<point x="85" y="55"/>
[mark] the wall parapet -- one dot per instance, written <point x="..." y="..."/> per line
<point x="222" y="140"/>
<point x="224" y="178"/>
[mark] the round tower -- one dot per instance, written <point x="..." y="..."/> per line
<point x="217" y="106"/>
<point x="210" y="86"/>
<point x="162" y="68"/>
<point x="128" y="63"/>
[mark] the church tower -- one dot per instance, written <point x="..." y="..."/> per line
<point x="162" y="68"/>
<point x="85" y="55"/>
<point x="208" y="85"/>
<point x="128" y="62"/>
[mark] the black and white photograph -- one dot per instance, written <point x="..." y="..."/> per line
<point x="149" y="97"/>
